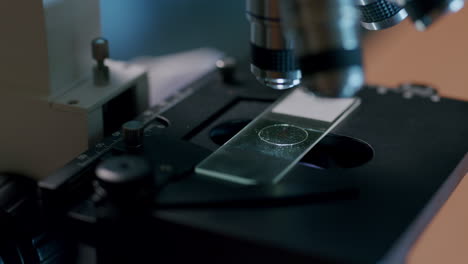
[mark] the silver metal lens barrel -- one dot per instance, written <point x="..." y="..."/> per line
<point x="328" y="44"/>
<point x="426" y="12"/>
<point x="273" y="59"/>
<point x="380" y="14"/>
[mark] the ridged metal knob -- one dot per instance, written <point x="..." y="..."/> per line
<point x="133" y="133"/>
<point x="380" y="14"/>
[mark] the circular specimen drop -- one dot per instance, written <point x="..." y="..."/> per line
<point x="283" y="135"/>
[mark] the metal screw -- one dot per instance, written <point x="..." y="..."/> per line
<point x="227" y="68"/>
<point x="100" y="51"/>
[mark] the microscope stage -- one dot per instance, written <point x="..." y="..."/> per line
<point x="363" y="194"/>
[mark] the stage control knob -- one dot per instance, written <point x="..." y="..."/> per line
<point x="133" y="133"/>
<point x="124" y="177"/>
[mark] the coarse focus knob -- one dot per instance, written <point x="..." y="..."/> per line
<point x="133" y="132"/>
<point x="124" y="176"/>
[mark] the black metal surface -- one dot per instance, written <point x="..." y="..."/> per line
<point x="330" y="60"/>
<point x="23" y="239"/>
<point x="417" y="145"/>
<point x="336" y="215"/>
<point x="114" y="115"/>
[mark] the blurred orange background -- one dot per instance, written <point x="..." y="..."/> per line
<point x="439" y="58"/>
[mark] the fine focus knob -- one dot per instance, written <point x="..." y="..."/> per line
<point x="133" y="132"/>
<point x="124" y="176"/>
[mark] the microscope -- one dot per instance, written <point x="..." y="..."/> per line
<point x="108" y="178"/>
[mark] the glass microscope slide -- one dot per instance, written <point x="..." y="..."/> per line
<point x="268" y="147"/>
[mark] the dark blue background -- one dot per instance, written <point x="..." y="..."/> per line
<point x="155" y="27"/>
